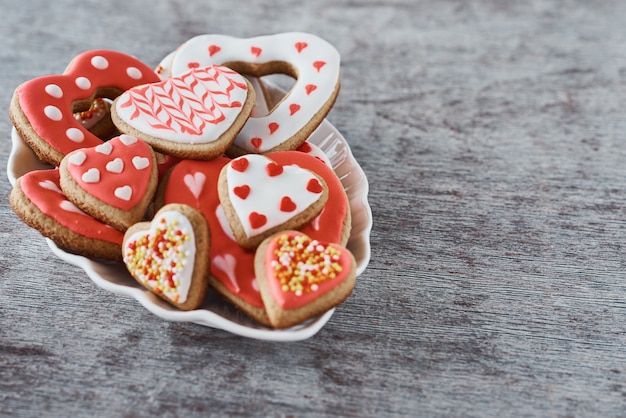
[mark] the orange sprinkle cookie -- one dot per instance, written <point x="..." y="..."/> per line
<point x="300" y="277"/>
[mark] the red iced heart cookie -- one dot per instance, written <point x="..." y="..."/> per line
<point x="113" y="182"/>
<point x="194" y="115"/>
<point x="38" y="200"/>
<point x="168" y="255"/>
<point x="313" y="62"/>
<point x="42" y="109"/>
<point x="261" y="197"/>
<point x="300" y="277"/>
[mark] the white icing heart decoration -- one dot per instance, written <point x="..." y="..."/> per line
<point x="70" y="207"/>
<point x="115" y="166"/>
<point x="124" y="192"/>
<point x="91" y="176"/>
<point x="50" y="185"/>
<point x="195" y="183"/>
<point x="78" y="158"/>
<point x="104" y="148"/>
<point x="140" y="162"/>
<point x="227" y="264"/>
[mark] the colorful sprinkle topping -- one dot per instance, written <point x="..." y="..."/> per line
<point x="301" y="263"/>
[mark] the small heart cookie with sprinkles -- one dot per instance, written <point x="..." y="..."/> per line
<point x="47" y="111"/>
<point x="195" y="115"/>
<point x="169" y="255"/>
<point x="113" y="182"/>
<point x="261" y="197"/>
<point x="300" y="277"/>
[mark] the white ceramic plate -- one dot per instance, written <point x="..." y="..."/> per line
<point x="216" y="312"/>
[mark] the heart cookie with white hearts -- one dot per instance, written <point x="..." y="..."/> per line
<point x="169" y="255"/>
<point x="194" y="115"/>
<point x="113" y="182"/>
<point x="300" y="277"/>
<point x="310" y="60"/>
<point x="44" y="110"/>
<point x="38" y="200"/>
<point x="261" y="197"/>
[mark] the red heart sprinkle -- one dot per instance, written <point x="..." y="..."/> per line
<point x="293" y="108"/>
<point x="193" y="65"/>
<point x="242" y="191"/>
<point x="273" y="126"/>
<point x="300" y="46"/>
<point x="314" y="186"/>
<point x="310" y="88"/>
<point x="305" y="147"/>
<point x="273" y="169"/>
<point x="256" y="142"/>
<point x="240" y="164"/>
<point x="318" y="65"/>
<point x="257" y="220"/>
<point x="287" y="205"/>
<point x="255" y="50"/>
<point x="214" y="49"/>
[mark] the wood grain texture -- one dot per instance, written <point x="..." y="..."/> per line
<point x="492" y="134"/>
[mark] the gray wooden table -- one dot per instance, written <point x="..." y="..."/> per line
<point x="493" y="134"/>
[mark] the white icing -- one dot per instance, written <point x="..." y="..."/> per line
<point x="183" y="273"/>
<point x="267" y="191"/>
<point x="50" y="185"/>
<point x="105" y="148"/>
<point x="77" y="158"/>
<point x="54" y="91"/>
<point x="124" y="192"/>
<point x="195" y="183"/>
<point x="83" y="83"/>
<point x="53" y="113"/>
<point x="134" y="73"/>
<point x="70" y="207"/>
<point x="91" y="176"/>
<point x="286" y="47"/>
<point x="127" y="139"/>
<point x="193" y="108"/>
<point x="140" y="162"/>
<point x="115" y="166"/>
<point x="227" y="264"/>
<point x="99" y="62"/>
<point x="75" y="135"/>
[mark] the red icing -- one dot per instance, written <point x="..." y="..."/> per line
<point x="310" y="88"/>
<point x="305" y="147"/>
<point x="326" y="227"/>
<point x="318" y="65"/>
<point x="314" y="186"/>
<point x="300" y="46"/>
<point x="255" y="50"/>
<point x="117" y="73"/>
<point x="287" y="205"/>
<point x="273" y="126"/>
<point x="257" y="220"/>
<point x="214" y="49"/>
<point x="242" y="191"/>
<point x="256" y="142"/>
<point x="51" y="202"/>
<point x="137" y="177"/>
<point x="240" y="164"/>
<point x="288" y="299"/>
<point x="293" y="108"/>
<point x="274" y="169"/>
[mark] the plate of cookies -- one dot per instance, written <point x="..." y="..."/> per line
<point x="201" y="188"/>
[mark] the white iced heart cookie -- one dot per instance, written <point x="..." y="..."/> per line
<point x="196" y="114"/>
<point x="261" y="197"/>
<point x="312" y="61"/>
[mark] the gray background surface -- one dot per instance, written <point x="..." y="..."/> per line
<point x="492" y="134"/>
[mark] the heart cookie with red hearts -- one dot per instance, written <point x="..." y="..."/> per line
<point x="38" y="200"/>
<point x="194" y="115"/>
<point x="169" y="255"/>
<point x="114" y="182"/>
<point x="43" y="109"/>
<point x="261" y="197"/>
<point x="300" y="277"/>
<point x="310" y="60"/>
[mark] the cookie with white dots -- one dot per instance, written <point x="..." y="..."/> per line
<point x="300" y="277"/>
<point x="44" y="110"/>
<point x="169" y="255"/>
<point x="113" y="182"/>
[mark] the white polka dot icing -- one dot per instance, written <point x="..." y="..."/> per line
<point x="83" y="83"/>
<point x="54" y="91"/>
<point x="133" y="73"/>
<point x="53" y="113"/>
<point x="100" y="62"/>
<point x="75" y="135"/>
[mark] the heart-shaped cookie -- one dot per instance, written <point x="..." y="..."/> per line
<point x="300" y="277"/>
<point x="194" y="115"/>
<point x="261" y="197"/>
<point x="38" y="200"/>
<point x="169" y="255"/>
<point x="113" y="182"/>
<point x="43" y="109"/>
<point x="310" y="60"/>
